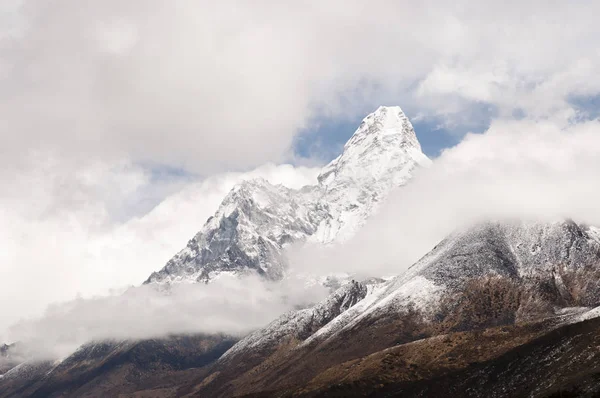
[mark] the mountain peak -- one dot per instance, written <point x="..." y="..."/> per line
<point x="381" y="155"/>
<point x="392" y="120"/>
<point x="256" y="220"/>
<point x="384" y="142"/>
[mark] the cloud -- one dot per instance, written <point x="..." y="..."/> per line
<point x="230" y="305"/>
<point x="517" y="169"/>
<point x="191" y="84"/>
<point x="60" y="239"/>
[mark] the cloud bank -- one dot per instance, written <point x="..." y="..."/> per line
<point x="190" y="84"/>
<point x="57" y="245"/>
<point x="227" y="305"/>
<point x="515" y="170"/>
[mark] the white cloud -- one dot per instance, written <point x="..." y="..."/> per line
<point x="59" y="238"/>
<point x="227" y="305"/>
<point x="190" y="84"/>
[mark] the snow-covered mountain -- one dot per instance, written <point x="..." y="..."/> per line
<point x="257" y="220"/>
<point x="381" y="155"/>
<point x="547" y="266"/>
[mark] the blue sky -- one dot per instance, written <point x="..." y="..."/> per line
<point x="325" y="139"/>
<point x="587" y="106"/>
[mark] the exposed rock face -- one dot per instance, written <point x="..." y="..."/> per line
<point x="257" y="220"/>
<point x="512" y="249"/>
<point x="254" y="222"/>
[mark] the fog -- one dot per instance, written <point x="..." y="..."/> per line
<point x="54" y="251"/>
<point x="229" y="305"/>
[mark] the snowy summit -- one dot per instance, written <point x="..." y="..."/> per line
<point x="256" y="220"/>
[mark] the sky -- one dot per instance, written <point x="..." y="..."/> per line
<point x="125" y="123"/>
<point x="324" y="139"/>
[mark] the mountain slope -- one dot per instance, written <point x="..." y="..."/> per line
<point x="559" y="363"/>
<point x="111" y="368"/>
<point x="493" y="275"/>
<point x="257" y="220"/>
<point x="545" y="264"/>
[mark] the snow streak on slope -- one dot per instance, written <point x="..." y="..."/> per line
<point x="257" y="220"/>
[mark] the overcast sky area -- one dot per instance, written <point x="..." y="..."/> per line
<point x="124" y="124"/>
